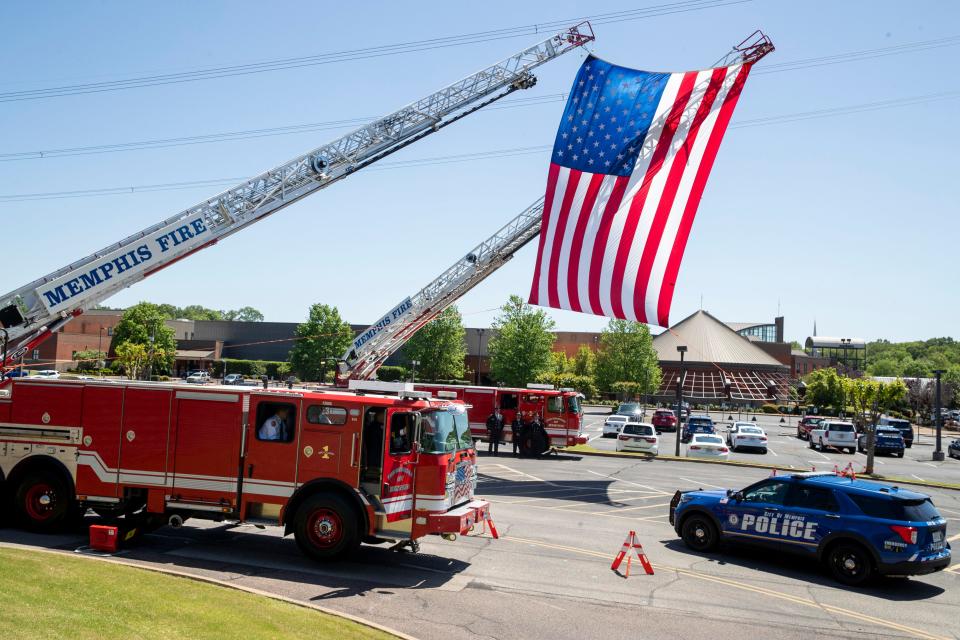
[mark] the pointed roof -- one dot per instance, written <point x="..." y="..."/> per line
<point x="710" y="340"/>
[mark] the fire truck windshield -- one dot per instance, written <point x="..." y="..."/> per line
<point x="445" y="430"/>
<point x="573" y="404"/>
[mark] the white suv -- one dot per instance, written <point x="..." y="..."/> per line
<point x="198" y="377"/>
<point x="49" y="374"/>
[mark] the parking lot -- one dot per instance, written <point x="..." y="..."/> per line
<point x="561" y="520"/>
<point x="787" y="451"/>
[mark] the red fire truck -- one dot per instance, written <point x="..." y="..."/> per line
<point x="559" y="410"/>
<point x="335" y="468"/>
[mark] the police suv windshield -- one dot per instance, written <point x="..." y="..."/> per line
<point x="445" y="430"/>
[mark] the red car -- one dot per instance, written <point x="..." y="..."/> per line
<point x="664" y="420"/>
<point x="806" y="425"/>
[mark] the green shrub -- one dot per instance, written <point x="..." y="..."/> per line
<point x="769" y="408"/>
<point x="392" y="374"/>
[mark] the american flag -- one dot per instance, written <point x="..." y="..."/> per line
<point x="629" y="165"/>
<point x="462" y="482"/>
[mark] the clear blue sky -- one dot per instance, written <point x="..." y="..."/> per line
<point x="851" y="220"/>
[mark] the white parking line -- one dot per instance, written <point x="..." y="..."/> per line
<point x="599" y="435"/>
<point x="820" y="454"/>
<point x="918" y="477"/>
<point x="706" y="484"/>
<point x="773" y="452"/>
<point x="645" y="486"/>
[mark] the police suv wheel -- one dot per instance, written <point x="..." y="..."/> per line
<point x="326" y="528"/>
<point x="850" y="564"/>
<point x="42" y="503"/>
<point x="699" y="533"/>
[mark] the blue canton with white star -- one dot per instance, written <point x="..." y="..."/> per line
<point x="607" y="117"/>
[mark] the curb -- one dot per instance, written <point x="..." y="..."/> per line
<point x="220" y="583"/>
<point x="587" y="450"/>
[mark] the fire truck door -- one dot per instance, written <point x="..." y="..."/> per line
<point x="270" y="465"/>
<point x="399" y="464"/>
<point x="145" y="436"/>
<point x="209" y="429"/>
<point x="554" y="420"/>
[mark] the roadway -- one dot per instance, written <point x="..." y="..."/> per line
<point x="789" y="452"/>
<point x="561" y="520"/>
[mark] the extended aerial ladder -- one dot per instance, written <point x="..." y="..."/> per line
<point x="371" y="348"/>
<point x="30" y="314"/>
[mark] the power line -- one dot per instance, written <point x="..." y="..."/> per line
<point x="486" y="155"/>
<point x="359" y="54"/>
<point x="248" y="134"/>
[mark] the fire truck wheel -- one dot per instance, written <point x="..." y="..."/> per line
<point x="325" y="528"/>
<point x="42" y="502"/>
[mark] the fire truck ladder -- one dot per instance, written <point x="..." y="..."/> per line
<point x="31" y="313"/>
<point x="371" y="348"/>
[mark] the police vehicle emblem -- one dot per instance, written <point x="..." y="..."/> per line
<point x="733" y="519"/>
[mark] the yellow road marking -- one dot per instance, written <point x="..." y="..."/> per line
<point x="745" y="587"/>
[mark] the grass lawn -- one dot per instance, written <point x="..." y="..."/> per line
<point x="54" y="596"/>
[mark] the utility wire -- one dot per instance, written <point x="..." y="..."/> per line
<point x="162" y="143"/>
<point x="360" y="54"/>
<point x="487" y="155"/>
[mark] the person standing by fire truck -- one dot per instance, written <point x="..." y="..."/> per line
<point x="515" y="428"/>
<point x="494" y="431"/>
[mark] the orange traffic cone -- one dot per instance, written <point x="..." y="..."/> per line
<point x="631" y="543"/>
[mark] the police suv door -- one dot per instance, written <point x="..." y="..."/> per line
<point x="756" y="517"/>
<point x="813" y="513"/>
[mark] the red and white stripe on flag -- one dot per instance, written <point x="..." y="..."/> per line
<point x="611" y="244"/>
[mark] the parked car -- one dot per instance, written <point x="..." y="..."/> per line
<point x="954" y="449"/>
<point x="705" y="445"/>
<point x="697" y="424"/>
<point x="806" y="425"/>
<point x="888" y="440"/>
<point x="744" y="435"/>
<point x="904" y="426"/>
<point x="17" y="373"/>
<point x="613" y="424"/>
<point x="233" y="378"/>
<point x="638" y="436"/>
<point x="49" y="374"/>
<point x="198" y="377"/>
<point x="629" y="409"/>
<point x="664" y="420"/>
<point x="834" y="433"/>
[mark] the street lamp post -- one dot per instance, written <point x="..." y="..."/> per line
<point x="938" y="450"/>
<point x="682" y="349"/>
<point x="413" y="372"/>
<point x="100" y="362"/>
<point x="479" y="354"/>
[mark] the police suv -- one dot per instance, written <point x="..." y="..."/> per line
<point x="857" y="528"/>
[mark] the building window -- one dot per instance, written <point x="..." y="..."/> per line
<point x="36" y="354"/>
<point x="109" y="331"/>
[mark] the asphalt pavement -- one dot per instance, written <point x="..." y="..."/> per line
<point x="787" y="451"/>
<point x="561" y="520"/>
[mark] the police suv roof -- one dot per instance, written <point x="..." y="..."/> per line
<point x="863" y="487"/>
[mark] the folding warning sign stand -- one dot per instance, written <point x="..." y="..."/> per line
<point x="493" y="529"/>
<point x="632" y="544"/>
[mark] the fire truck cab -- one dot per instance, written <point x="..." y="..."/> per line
<point x="335" y="468"/>
<point x="559" y="409"/>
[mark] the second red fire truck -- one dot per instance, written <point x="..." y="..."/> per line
<point x="560" y="411"/>
<point x="334" y="468"/>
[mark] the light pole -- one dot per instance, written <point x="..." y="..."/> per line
<point x="681" y="349"/>
<point x="413" y="371"/>
<point x="100" y="362"/>
<point x="937" y="450"/>
<point x="479" y="354"/>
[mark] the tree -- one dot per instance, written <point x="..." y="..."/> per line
<point x="626" y="354"/>
<point x="132" y="356"/>
<point x="89" y="360"/>
<point x="584" y="363"/>
<point x="439" y="347"/>
<point x="243" y="314"/>
<point x="199" y="312"/>
<point x="825" y="388"/>
<point x="559" y="362"/>
<point x="143" y="324"/>
<point x="323" y="337"/>
<point x="520" y="351"/>
<point x="870" y="398"/>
